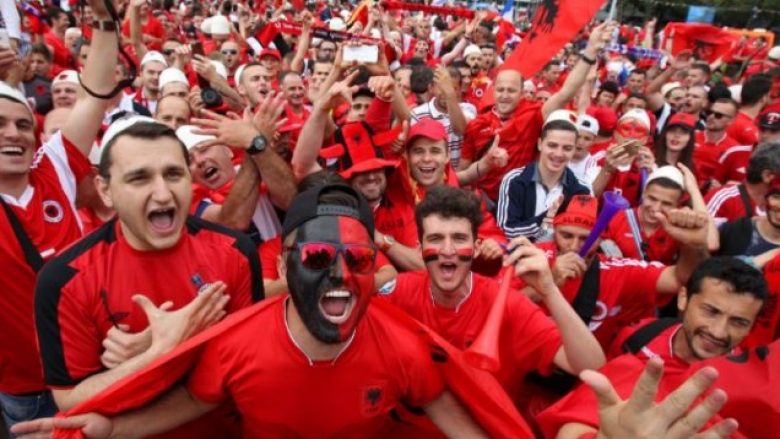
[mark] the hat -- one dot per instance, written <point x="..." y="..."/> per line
<point x="429" y="128"/>
<point x="736" y="92"/>
<point x="564" y="115"/>
<point x="357" y="149"/>
<point x="471" y="49"/>
<point x="305" y="207"/>
<point x="186" y="133"/>
<point x="270" y="52"/>
<point x="205" y="25"/>
<point x="774" y="53"/>
<point x="581" y="212"/>
<point x="66" y="76"/>
<point x="588" y="123"/>
<point x="669" y="86"/>
<point x="154" y="55"/>
<point x="337" y="24"/>
<point x="606" y="117"/>
<point x="769" y="121"/>
<point x="120" y="125"/>
<point x="638" y="114"/>
<point x="684" y="120"/>
<point x="669" y="172"/>
<point x="14" y="94"/>
<point x="239" y="72"/>
<point x="219" y="25"/>
<point x="172" y="74"/>
<point x="221" y="69"/>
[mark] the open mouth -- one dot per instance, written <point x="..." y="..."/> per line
<point x="14" y="151"/>
<point x="211" y="174"/>
<point x="336" y="305"/>
<point x="447" y="269"/>
<point x="162" y="220"/>
<point x="427" y="171"/>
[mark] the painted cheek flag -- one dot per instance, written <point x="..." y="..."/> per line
<point x="705" y="41"/>
<point x="554" y="24"/>
<point x="478" y="391"/>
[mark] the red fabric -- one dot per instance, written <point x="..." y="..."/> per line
<point x="50" y="221"/>
<point x="153" y="28"/>
<point x="519" y="137"/>
<point x="732" y="164"/>
<point x="765" y="330"/>
<point x="707" y="42"/>
<point x="554" y="24"/>
<point x="743" y="129"/>
<point x="662" y="345"/>
<point x="477" y="390"/>
<point x="706" y="155"/>
<point x="61" y="56"/>
<point x="660" y="246"/>
<point x="725" y="204"/>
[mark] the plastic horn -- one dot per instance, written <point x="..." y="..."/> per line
<point x="483" y="353"/>
<point x="643" y="174"/>
<point x="613" y="203"/>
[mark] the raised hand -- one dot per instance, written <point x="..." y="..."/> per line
<point x="686" y="226"/>
<point x="530" y="265"/>
<point x="495" y="158"/>
<point x="339" y="92"/>
<point x="568" y="266"/>
<point x="383" y="87"/>
<point x="121" y="345"/>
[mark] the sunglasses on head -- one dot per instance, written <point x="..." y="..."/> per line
<point x="318" y="256"/>
<point x="718" y="114"/>
<point x="229" y="52"/>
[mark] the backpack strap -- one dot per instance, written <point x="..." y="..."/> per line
<point x="584" y="303"/>
<point x="745" y="200"/>
<point x="31" y="254"/>
<point x="642" y="336"/>
<point x="636" y="232"/>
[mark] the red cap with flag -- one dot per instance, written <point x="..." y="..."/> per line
<point x="357" y="149"/>
<point x="429" y="128"/>
<point x="581" y="212"/>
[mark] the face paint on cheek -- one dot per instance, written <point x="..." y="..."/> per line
<point x="361" y="284"/>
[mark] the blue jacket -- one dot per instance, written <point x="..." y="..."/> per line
<point x="517" y="200"/>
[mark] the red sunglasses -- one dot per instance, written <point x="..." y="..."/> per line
<point x="318" y="256"/>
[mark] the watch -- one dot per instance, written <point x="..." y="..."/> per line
<point x="258" y="145"/>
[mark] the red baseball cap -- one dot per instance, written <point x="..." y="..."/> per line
<point x="270" y="52"/>
<point x="581" y="212"/>
<point x="682" y="119"/>
<point x="429" y="128"/>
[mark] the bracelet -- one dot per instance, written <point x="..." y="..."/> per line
<point x="104" y="25"/>
<point x="589" y="61"/>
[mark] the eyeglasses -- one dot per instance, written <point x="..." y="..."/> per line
<point x="718" y="115"/>
<point x="229" y="52"/>
<point x="168" y="52"/>
<point x="318" y="256"/>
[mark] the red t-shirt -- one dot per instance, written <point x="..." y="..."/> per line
<point x="280" y="392"/>
<point x="627" y="293"/>
<point x="732" y="165"/>
<point x="85" y="291"/>
<point x="660" y="346"/>
<point x="61" y="56"/>
<point x="153" y="28"/>
<point x="743" y="129"/>
<point x="725" y="204"/>
<point x="528" y="339"/>
<point x="519" y="136"/>
<point x="706" y="155"/>
<point x="657" y="247"/>
<point x="48" y="214"/>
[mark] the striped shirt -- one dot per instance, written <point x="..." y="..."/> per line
<point x="454" y="140"/>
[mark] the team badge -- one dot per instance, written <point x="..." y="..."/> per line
<point x="52" y="211"/>
<point x="372" y="400"/>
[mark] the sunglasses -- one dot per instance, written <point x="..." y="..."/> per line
<point x="168" y="52"/>
<point x="718" y="115"/>
<point x="229" y="52"/>
<point x="319" y="256"/>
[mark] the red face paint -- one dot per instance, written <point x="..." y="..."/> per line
<point x="633" y="129"/>
<point x="352" y="231"/>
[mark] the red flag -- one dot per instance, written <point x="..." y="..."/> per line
<point x="707" y="42"/>
<point x="477" y="390"/>
<point x="554" y="24"/>
<point x="765" y="330"/>
<point x="360" y="14"/>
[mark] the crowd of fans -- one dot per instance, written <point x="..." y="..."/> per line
<point x="257" y="174"/>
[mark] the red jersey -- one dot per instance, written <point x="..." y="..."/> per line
<point x="706" y="155"/>
<point x="743" y="129"/>
<point x="153" y="28"/>
<point x="48" y="214"/>
<point x="732" y="165"/>
<point x="86" y="290"/>
<point x="627" y="293"/>
<point x="656" y="247"/>
<point x="529" y="339"/>
<point x="519" y="136"/>
<point x="61" y="56"/>
<point x="280" y="392"/>
<point x="726" y="204"/>
<point x="662" y="345"/>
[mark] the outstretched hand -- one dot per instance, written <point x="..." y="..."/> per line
<point x="92" y="425"/>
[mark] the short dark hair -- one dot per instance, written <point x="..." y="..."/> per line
<point x="756" y="87"/>
<point x="287" y="73"/>
<point x="636" y="95"/>
<point x="728" y="101"/>
<point x="741" y="276"/>
<point x="488" y="46"/>
<point x="766" y="157"/>
<point x="558" y="125"/>
<point x="551" y="63"/>
<point x="449" y="202"/>
<point x="139" y="130"/>
<point x="642" y="72"/>
<point x="421" y="79"/>
<point x="718" y="91"/>
<point x="704" y="67"/>
<point x="43" y="50"/>
<point x="610" y="86"/>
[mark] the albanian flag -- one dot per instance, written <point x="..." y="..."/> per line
<point x="705" y="41"/>
<point x="477" y="390"/>
<point x="554" y="24"/>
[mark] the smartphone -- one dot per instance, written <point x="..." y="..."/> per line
<point x="197" y="48"/>
<point x="632" y="147"/>
<point x="5" y="40"/>
<point x="365" y="54"/>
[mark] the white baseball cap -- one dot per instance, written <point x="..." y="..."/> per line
<point x="564" y="115"/>
<point x="774" y="53"/>
<point x="186" y="133"/>
<point x="670" y="172"/>
<point x="220" y="25"/>
<point x="120" y="125"/>
<point x="669" y="86"/>
<point x="16" y="95"/>
<point x="471" y="49"/>
<point x="172" y="74"/>
<point x="66" y="76"/>
<point x="638" y="114"/>
<point x="154" y="55"/>
<point x="588" y="123"/>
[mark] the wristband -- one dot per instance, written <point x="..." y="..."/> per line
<point x="589" y="61"/>
<point x="104" y="25"/>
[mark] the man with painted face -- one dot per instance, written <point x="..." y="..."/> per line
<point x="455" y="302"/>
<point x="321" y="361"/>
<point x="718" y="307"/>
